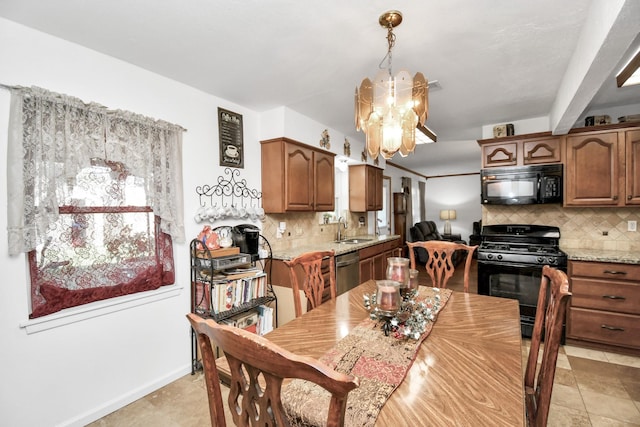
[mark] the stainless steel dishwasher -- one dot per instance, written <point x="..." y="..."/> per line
<point x="347" y="271"/>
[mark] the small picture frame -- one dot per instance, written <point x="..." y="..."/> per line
<point x="231" y="139"/>
<point x="499" y="131"/>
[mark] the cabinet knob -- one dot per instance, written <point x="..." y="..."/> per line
<point x="615" y="197"/>
<point x="629" y="197"/>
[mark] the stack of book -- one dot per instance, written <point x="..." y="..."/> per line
<point x="227" y="291"/>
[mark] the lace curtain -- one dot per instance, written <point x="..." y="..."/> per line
<point x="52" y="137"/>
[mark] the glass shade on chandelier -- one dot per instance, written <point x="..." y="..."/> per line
<point x="389" y="109"/>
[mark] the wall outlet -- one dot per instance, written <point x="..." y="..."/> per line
<point x="632" y="226"/>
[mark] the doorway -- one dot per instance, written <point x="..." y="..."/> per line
<point x="383" y="217"/>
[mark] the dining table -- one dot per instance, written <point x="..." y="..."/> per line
<point x="468" y="371"/>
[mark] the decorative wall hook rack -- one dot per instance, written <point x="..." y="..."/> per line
<point x="229" y="198"/>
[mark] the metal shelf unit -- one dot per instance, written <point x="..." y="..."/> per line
<point x="204" y="281"/>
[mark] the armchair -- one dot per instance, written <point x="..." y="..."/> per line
<point x="426" y="230"/>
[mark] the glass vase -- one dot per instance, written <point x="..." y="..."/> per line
<point x="398" y="270"/>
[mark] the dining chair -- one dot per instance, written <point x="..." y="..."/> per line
<point x="308" y="267"/>
<point x="440" y="265"/>
<point x="258" y="368"/>
<point x="554" y="295"/>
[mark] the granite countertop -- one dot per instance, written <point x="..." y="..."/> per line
<point x="339" y="248"/>
<point x="602" y="255"/>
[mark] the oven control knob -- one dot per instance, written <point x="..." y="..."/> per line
<point x="552" y="260"/>
<point x="499" y="256"/>
<point x="489" y="256"/>
<point x="540" y="260"/>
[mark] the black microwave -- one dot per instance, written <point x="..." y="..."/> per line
<point x="522" y="185"/>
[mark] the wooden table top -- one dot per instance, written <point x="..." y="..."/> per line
<point x="468" y="371"/>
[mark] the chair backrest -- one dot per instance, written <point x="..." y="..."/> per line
<point x="312" y="283"/>
<point x="554" y="286"/>
<point x="440" y="266"/>
<point x="258" y="368"/>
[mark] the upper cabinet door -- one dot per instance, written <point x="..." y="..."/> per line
<point x="500" y="154"/>
<point x="632" y="144"/>
<point x="544" y="150"/>
<point x="592" y="172"/>
<point x="378" y="188"/>
<point x="299" y="178"/>
<point x="324" y="182"/>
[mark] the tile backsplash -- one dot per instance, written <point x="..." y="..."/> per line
<point x="580" y="228"/>
<point x="304" y="228"/>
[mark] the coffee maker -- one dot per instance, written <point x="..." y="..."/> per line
<point x="246" y="236"/>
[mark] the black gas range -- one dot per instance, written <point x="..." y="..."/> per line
<point x="522" y="244"/>
<point x="510" y="261"/>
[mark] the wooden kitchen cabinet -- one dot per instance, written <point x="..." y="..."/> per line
<point x="373" y="259"/>
<point x="604" y="310"/>
<point x="296" y="177"/>
<point x="521" y="150"/>
<point x="632" y="167"/>
<point x="602" y="168"/>
<point x="365" y="188"/>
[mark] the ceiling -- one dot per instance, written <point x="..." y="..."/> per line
<point x="496" y="61"/>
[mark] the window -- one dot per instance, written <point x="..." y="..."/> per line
<point x="384" y="216"/>
<point x="100" y="197"/>
<point x="105" y="243"/>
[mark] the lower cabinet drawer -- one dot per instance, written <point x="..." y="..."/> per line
<point x="621" y="297"/>
<point x="605" y="270"/>
<point x="604" y="327"/>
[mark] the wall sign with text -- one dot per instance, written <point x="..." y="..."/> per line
<point x="231" y="142"/>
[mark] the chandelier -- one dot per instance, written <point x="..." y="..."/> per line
<point x="390" y="109"/>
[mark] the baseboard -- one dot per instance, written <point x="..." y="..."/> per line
<point x="122" y="401"/>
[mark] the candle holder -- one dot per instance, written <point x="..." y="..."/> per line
<point x="410" y="320"/>
<point x="398" y="270"/>
<point x="388" y="297"/>
<point x="412" y="289"/>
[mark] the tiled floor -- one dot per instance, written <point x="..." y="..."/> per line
<point x="591" y="388"/>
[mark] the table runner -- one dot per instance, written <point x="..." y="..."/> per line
<point x="380" y="362"/>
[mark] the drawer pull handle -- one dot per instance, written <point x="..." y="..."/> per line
<point x="614" y="297"/>
<point x="614" y="272"/>
<point x="612" y="328"/>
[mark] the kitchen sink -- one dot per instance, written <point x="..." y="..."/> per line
<point x="353" y="241"/>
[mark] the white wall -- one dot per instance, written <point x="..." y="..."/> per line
<point x="73" y="374"/>
<point x="461" y="193"/>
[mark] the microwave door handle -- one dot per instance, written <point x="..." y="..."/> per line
<point x="539" y="189"/>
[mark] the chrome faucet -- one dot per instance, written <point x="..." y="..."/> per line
<point x="342" y="221"/>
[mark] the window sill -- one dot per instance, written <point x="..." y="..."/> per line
<point x="99" y="308"/>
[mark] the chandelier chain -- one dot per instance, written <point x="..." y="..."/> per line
<point x="391" y="42"/>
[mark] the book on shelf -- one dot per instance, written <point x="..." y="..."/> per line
<point x="240" y="273"/>
<point x="213" y="297"/>
<point x="265" y="319"/>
